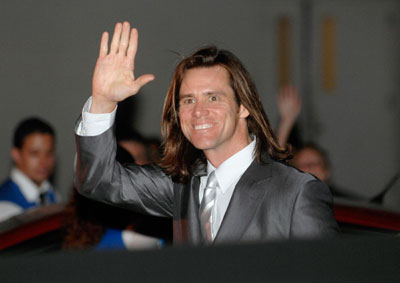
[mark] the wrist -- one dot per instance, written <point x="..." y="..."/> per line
<point x="288" y="120"/>
<point x="101" y="105"/>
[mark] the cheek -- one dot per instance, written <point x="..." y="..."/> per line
<point x="184" y="118"/>
<point x="30" y="163"/>
<point x="182" y="124"/>
<point x="231" y="118"/>
<point x="33" y="160"/>
<point x="50" y="161"/>
<point x="324" y="173"/>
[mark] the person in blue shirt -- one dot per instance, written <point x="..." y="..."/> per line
<point x="34" y="159"/>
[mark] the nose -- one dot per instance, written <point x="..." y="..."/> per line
<point x="200" y="109"/>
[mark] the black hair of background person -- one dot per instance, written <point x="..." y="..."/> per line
<point x="29" y="126"/>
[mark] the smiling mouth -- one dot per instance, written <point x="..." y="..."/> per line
<point x="203" y="127"/>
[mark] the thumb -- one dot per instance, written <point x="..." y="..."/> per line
<point x="141" y="81"/>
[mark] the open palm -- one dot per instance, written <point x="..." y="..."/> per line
<point x="114" y="79"/>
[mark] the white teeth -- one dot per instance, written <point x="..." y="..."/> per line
<point x="202" y="127"/>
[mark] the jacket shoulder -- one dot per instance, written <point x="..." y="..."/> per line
<point x="7" y="187"/>
<point x="288" y="176"/>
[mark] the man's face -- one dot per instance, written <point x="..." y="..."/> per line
<point x="209" y="115"/>
<point x="36" y="157"/>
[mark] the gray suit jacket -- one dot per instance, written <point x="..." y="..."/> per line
<point x="271" y="201"/>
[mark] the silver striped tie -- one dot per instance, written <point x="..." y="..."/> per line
<point x="207" y="204"/>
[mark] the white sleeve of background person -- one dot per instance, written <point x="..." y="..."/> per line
<point x="8" y="210"/>
<point x="136" y="241"/>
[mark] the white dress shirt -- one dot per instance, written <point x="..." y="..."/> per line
<point x="94" y="124"/>
<point x="228" y="173"/>
<point x="28" y="188"/>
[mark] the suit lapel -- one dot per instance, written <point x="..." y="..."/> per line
<point x="193" y="211"/>
<point x="249" y="192"/>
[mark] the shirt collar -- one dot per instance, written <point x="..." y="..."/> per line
<point x="28" y="188"/>
<point x="233" y="166"/>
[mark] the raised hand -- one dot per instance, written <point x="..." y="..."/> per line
<point x="289" y="105"/>
<point x="113" y="78"/>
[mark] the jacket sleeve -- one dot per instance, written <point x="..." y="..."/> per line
<point x="145" y="189"/>
<point x="312" y="214"/>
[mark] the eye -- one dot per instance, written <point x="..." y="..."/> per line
<point x="213" y="98"/>
<point x="188" y="100"/>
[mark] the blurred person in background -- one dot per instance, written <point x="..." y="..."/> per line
<point x="308" y="157"/>
<point x="133" y="142"/>
<point x="312" y="159"/>
<point x="154" y="149"/>
<point x="92" y="225"/>
<point x="34" y="159"/>
<point x="289" y="105"/>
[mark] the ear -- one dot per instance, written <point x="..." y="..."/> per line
<point x="243" y="112"/>
<point x="16" y="155"/>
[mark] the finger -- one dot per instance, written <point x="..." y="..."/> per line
<point x="104" y="44"/>
<point x="292" y="91"/>
<point x="281" y="96"/>
<point x="284" y="93"/>
<point x="133" y="42"/>
<point x="126" y="28"/>
<point x="295" y="95"/>
<point x="280" y="93"/>
<point x="116" y="38"/>
<point x="141" y="81"/>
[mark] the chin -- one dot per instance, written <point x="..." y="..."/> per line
<point x="203" y="145"/>
<point x="40" y="179"/>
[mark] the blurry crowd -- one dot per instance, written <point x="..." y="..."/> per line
<point x="308" y="156"/>
<point x="94" y="225"/>
<point x="87" y="223"/>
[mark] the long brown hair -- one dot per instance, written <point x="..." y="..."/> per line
<point x="180" y="157"/>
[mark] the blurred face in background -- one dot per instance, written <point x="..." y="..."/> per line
<point x="311" y="161"/>
<point x="137" y="150"/>
<point x="36" y="157"/>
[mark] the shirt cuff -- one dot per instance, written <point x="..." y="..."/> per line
<point x="94" y="124"/>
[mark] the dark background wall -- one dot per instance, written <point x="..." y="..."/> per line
<point x="48" y="50"/>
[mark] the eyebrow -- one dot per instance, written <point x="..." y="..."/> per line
<point x="183" y="96"/>
<point x="186" y="95"/>
<point x="215" y="92"/>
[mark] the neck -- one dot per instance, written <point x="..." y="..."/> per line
<point x="38" y="184"/>
<point x="217" y="157"/>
